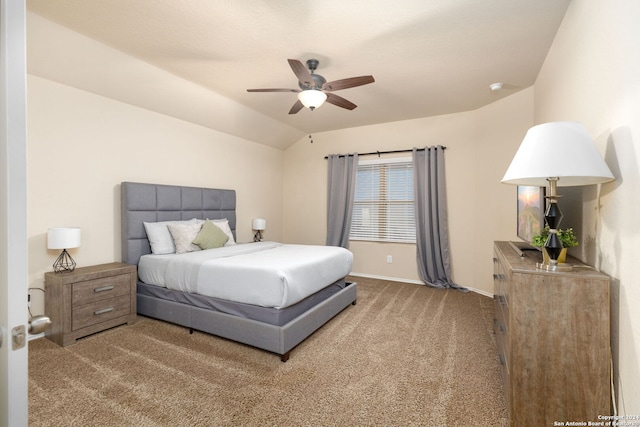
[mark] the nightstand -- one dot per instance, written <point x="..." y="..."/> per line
<point x="89" y="300"/>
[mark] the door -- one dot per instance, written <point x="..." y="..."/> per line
<point x="13" y="213"/>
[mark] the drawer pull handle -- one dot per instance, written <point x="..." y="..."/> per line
<point x="104" y="310"/>
<point x="102" y="289"/>
<point x="501" y="358"/>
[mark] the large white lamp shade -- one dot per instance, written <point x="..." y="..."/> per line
<point x="562" y="150"/>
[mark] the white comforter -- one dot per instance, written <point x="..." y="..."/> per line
<point x="267" y="274"/>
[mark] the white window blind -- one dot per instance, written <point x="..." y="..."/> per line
<point x="383" y="207"/>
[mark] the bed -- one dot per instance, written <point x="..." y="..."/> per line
<point x="275" y="323"/>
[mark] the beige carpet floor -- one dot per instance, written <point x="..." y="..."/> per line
<point x="405" y="355"/>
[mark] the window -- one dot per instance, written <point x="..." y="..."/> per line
<point x="383" y="205"/>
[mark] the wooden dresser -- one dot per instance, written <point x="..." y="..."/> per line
<point x="89" y="300"/>
<point x="553" y="337"/>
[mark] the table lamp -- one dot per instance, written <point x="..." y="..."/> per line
<point x="557" y="154"/>
<point x="259" y="225"/>
<point x="63" y="238"/>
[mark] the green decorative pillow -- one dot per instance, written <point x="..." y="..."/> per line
<point x="210" y="236"/>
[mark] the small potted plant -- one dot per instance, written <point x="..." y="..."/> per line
<point x="567" y="237"/>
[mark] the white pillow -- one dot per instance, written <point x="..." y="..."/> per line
<point x="224" y="226"/>
<point x="183" y="235"/>
<point x="160" y="238"/>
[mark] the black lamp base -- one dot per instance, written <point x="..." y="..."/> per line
<point x="553" y="217"/>
<point x="64" y="263"/>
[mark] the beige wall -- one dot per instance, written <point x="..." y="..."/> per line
<point x="480" y="145"/>
<point x="592" y="75"/>
<point x="81" y="146"/>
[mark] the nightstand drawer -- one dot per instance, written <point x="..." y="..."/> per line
<point x="100" y="311"/>
<point x="100" y="289"/>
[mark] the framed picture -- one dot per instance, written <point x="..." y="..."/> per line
<point x="531" y="207"/>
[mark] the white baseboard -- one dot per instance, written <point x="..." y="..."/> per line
<point x="417" y="282"/>
<point x="393" y="279"/>
<point x="481" y="292"/>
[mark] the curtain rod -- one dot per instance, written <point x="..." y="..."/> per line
<point x="378" y="153"/>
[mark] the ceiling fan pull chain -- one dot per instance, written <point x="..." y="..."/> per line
<point x="311" y="127"/>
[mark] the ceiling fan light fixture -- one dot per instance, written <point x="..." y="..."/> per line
<point x="312" y="98"/>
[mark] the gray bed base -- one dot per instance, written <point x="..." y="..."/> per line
<point x="155" y="202"/>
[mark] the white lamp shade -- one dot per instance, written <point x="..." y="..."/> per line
<point x="558" y="149"/>
<point x="63" y="238"/>
<point x="259" y="224"/>
<point x="312" y="98"/>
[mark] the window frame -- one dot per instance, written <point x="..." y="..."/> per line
<point x="405" y="226"/>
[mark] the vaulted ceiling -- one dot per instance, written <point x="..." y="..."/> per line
<point x="428" y="57"/>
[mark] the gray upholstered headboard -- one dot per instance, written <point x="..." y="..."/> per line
<point x="153" y="202"/>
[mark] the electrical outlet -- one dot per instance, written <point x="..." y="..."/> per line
<point x="389" y="259"/>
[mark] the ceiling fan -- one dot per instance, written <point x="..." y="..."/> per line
<point x="315" y="90"/>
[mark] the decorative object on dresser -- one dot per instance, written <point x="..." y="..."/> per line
<point x="553" y="337"/>
<point x="557" y="154"/>
<point x="259" y="225"/>
<point x="89" y="300"/>
<point x="63" y="238"/>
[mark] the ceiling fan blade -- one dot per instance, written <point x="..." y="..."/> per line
<point x="273" y="90"/>
<point x="347" y="83"/>
<point x="296" y="107"/>
<point x="304" y="76"/>
<point x="340" y="101"/>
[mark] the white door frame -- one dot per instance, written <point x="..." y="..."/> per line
<point x="13" y="213"/>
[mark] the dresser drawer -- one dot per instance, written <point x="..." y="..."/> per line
<point x="100" y="289"/>
<point x="100" y="311"/>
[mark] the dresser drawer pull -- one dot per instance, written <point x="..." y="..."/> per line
<point x="104" y="310"/>
<point x="104" y="288"/>
<point x="501" y="357"/>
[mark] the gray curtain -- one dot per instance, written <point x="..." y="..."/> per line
<point x="340" y="193"/>
<point x="432" y="232"/>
